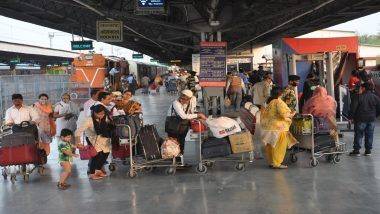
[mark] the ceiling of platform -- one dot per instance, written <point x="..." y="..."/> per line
<point x="176" y="33"/>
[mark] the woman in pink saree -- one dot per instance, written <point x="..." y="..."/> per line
<point x="324" y="106"/>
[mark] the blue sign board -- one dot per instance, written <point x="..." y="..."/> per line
<point x="150" y="3"/>
<point x="81" y="45"/>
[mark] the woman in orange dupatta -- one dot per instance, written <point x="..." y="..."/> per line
<point x="324" y="106"/>
<point x="46" y="124"/>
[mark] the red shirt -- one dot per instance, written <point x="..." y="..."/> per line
<point x="353" y="81"/>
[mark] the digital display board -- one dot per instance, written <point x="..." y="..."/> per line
<point x="145" y="7"/>
<point x="150" y="3"/>
<point x="81" y="45"/>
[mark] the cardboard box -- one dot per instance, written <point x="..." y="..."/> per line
<point x="241" y="142"/>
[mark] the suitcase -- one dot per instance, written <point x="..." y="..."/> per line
<point x="248" y="119"/>
<point x="17" y="139"/>
<point x="241" y="142"/>
<point x="323" y="142"/>
<point x="26" y="127"/>
<point x="321" y="125"/>
<point x="122" y="131"/>
<point x="18" y="155"/>
<point x="216" y="147"/>
<point x="149" y="141"/>
<point x="120" y="152"/>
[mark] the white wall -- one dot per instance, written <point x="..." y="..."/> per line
<point x="329" y="34"/>
<point x="369" y="51"/>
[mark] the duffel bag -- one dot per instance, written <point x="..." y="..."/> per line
<point x="214" y="147"/>
<point x="17" y="139"/>
<point x="27" y="127"/>
<point x="121" y="129"/>
<point x="170" y="148"/>
<point x="223" y="126"/>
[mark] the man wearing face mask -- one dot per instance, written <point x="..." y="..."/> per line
<point x="289" y="96"/>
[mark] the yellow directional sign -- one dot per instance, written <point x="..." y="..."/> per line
<point x="109" y="31"/>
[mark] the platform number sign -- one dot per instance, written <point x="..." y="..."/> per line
<point x="109" y="31"/>
<point x="144" y="7"/>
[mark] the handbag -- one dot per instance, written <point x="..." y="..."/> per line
<point x="88" y="151"/>
<point x="175" y="125"/>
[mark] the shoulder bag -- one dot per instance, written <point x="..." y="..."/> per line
<point x="175" y="125"/>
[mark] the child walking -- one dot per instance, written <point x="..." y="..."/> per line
<point x="66" y="154"/>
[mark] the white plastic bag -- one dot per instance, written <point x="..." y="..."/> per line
<point x="223" y="126"/>
<point x="170" y="148"/>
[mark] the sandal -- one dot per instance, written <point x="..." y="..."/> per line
<point x="280" y="167"/>
<point x="100" y="173"/>
<point x="94" y="177"/>
<point x="61" y="186"/>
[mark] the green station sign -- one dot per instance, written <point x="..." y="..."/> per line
<point x="81" y="45"/>
<point x="15" y="60"/>
<point x="154" y="60"/>
<point x="137" y="56"/>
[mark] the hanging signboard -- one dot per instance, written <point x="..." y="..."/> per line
<point x="144" y="7"/>
<point x="109" y="31"/>
<point x="213" y="57"/>
<point x="137" y="56"/>
<point x="81" y="45"/>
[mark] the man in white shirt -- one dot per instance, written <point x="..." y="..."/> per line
<point x="182" y="109"/>
<point x="19" y="112"/>
<point x="105" y="99"/>
<point x="87" y="105"/>
<point x="262" y="90"/>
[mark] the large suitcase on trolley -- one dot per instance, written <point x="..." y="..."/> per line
<point x="216" y="147"/>
<point x="149" y="141"/>
<point x="248" y="119"/>
<point x="17" y="139"/>
<point x="17" y="155"/>
<point x="323" y="142"/>
<point x="120" y="151"/>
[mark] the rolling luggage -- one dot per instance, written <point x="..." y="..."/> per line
<point x="18" y="155"/>
<point x="241" y="142"/>
<point x="248" y="120"/>
<point x="323" y="142"/>
<point x="17" y="139"/>
<point x="216" y="147"/>
<point x="120" y="152"/>
<point x="26" y="127"/>
<point x="122" y="131"/>
<point x="149" y="141"/>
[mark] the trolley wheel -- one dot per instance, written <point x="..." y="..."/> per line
<point x="293" y="158"/>
<point x="41" y="170"/>
<point x="148" y="169"/>
<point x="26" y="178"/>
<point x="314" y="162"/>
<point x="240" y="166"/>
<point x="170" y="171"/>
<point x="336" y="159"/>
<point x="112" y="167"/>
<point x="201" y="169"/>
<point x="329" y="158"/>
<point x="132" y="174"/>
<point x="209" y="164"/>
<point x="13" y="179"/>
<point x="125" y="162"/>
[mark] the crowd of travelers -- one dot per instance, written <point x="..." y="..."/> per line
<point x="74" y="126"/>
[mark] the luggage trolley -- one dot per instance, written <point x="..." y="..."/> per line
<point x="149" y="162"/>
<point x="319" y="144"/>
<point x="239" y="159"/>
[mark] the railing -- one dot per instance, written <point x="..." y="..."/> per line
<point x="30" y="86"/>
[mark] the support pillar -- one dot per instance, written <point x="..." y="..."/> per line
<point x="330" y="75"/>
<point x="293" y="71"/>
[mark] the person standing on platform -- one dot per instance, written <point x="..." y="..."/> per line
<point x="364" y="110"/>
<point x="235" y="88"/>
<point x="309" y="86"/>
<point x="289" y="96"/>
<point x="94" y="98"/>
<point x="262" y="90"/>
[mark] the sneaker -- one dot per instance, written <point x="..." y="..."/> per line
<point x="367" y="153"/>
<point x="355" y="153"/>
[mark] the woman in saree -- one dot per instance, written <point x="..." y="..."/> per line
<point x="46" y="125"/>
<point x="276" y="119"/>
<point x="321" y="105"/>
